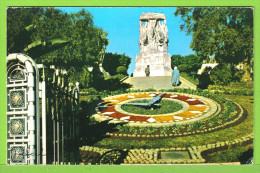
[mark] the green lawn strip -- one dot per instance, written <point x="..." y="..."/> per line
<point x="230" y="133"/>
<point x="167" y="106"/>
<point x="233" y="155"/>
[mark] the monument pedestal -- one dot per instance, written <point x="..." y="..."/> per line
<point x="159" y="63"/>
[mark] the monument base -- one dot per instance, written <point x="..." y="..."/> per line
<point x="159" y="63"/>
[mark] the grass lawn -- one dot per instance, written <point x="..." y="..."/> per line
<point x="167" y="106"/>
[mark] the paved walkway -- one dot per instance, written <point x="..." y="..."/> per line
<point x="157" y="83"/>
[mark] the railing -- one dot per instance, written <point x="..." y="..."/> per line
<point x="62" y="105"/>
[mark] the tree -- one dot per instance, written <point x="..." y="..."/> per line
<point x="113" y="60"/>
<point x="121" y="70"/>
<point x="175" y="60"/>
<point x="224" y="33"/>
<point x="221" y="74"/>
<point x="19" y="27"/>
<point x="85" y="43"/>
<point x="189" y="63"/>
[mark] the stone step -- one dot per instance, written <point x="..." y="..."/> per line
<point x="157" y="83"/>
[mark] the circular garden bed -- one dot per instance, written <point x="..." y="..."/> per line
<point x="219" y="124"/>
<point x="197" y="114"/>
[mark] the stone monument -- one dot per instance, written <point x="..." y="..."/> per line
<point x="153" y="43"/>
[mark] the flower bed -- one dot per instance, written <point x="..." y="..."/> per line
<point x="198" y="153"/>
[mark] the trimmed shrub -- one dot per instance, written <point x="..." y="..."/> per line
<point x="121" y="70"/>
<point x="204" y="79"/>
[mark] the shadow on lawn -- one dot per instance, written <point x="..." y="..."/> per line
<point x="90" y="131"/>
<point x="97" y="132"/>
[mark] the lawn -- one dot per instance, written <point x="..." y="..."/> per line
<point x="166" y="106"/>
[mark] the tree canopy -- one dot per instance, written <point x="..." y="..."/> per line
<point x="189" y="63"/>
<point x="113" y="60"/>
<point x="85" y="43"/>
<point x="225" y="33"/>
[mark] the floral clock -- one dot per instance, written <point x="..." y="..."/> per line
<point x="194" y="108"/>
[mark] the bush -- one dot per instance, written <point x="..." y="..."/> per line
<point x="114" y="83"/>
<point x="88" y="91"/>
<point x="221" y="74"/>
<point x="183" y="67"/>
<point x="118" y="76"/>
<point x="204" y="79"/>
<point x="238" y="74"/>
<point x="121" y="70"/>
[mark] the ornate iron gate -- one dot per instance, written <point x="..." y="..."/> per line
<point x="22" y="110"/>
<point x="62" y="104"/>
<point x="42" y="113"/>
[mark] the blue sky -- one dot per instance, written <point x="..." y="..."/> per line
<point x="122" y="24"/>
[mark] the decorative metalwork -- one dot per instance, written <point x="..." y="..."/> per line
<point x="25" y="142"/>
<point x="23" y="133"/>
<point x="17" y="127"/>
<point x="18" y="154"/>
<point x="17" y="74"/>
<point x="17" y="99"/>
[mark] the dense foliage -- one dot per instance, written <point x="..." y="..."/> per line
<point x="225" y="33"/>
<point x="38" y="27"/>
<point x="221" y="74"/>
<point x="19" y="26"/>
<point x="121" y="70"/>
<point x="113" y="60"/>
<point x="189" y="63"/>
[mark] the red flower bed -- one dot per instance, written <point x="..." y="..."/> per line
<point x="182" y="98"/>
<point x="138" y="118"/>
<point x="117" y="115"/>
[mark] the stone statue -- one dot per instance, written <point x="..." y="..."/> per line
<point x="153" y="44"/>
<point x="154" y="33"/>
<point x="143" y="40"/>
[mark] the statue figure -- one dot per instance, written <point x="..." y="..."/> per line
<point x="153" y="44"/>
<point x="154" y="33"/>
<point x="143" y="40"/>
<point x="151" y="34"/>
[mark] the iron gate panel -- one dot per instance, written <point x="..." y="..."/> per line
<point x="21" y="110"/>
<point x="35" y="137"/>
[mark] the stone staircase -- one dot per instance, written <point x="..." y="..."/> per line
<point x="157" y="83"/>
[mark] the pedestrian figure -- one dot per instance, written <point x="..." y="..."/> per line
<point x="175" y="77"/>
<point x="147" y="71"/>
